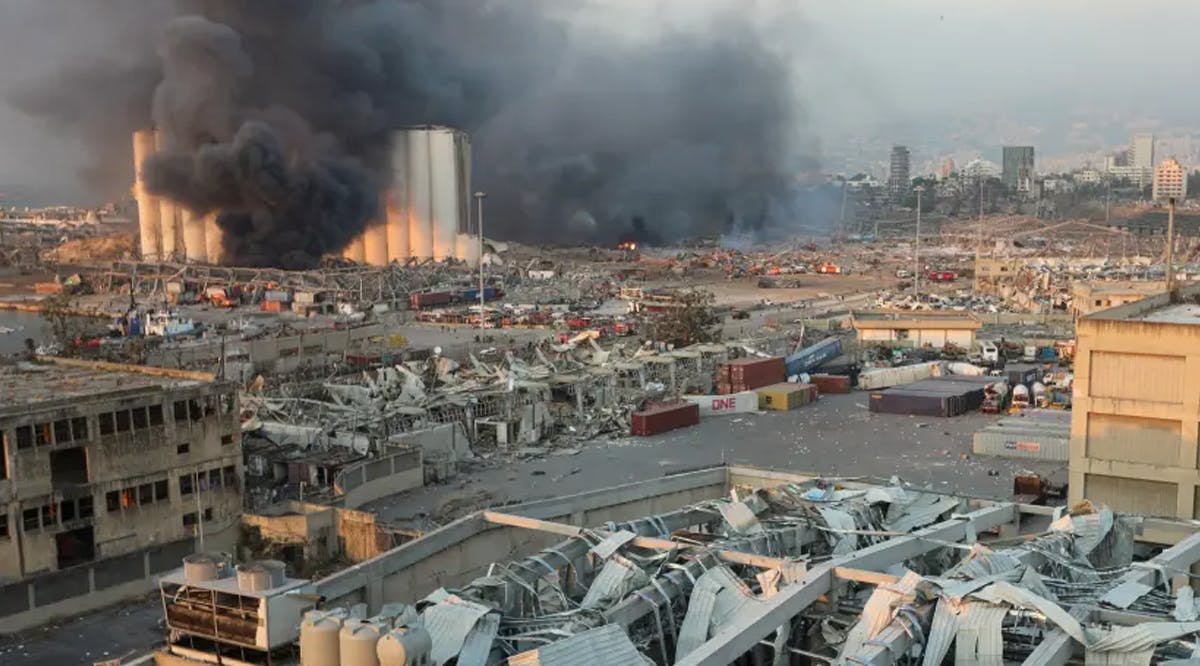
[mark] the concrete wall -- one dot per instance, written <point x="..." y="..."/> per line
<point x="463" y="550"/>
<point x="274" y="354"/>
<point x="325" y="531"/>
<point x="1136" y="415"/>
<point x="376" y="478"/>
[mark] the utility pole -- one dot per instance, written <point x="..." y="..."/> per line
<point x="479" y="197"/>
<point x="979" y="235"/>
<point x="917" y="246"/>
<point x="842" y="229"/>
<point x="1107" y="195"/>
<point x="1170" y="244"/>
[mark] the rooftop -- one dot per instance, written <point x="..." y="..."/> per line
<point x="56" y="380"/>
<point x="1100" y="287"/>
<point x="915" y="319"/>
<point x="1180" y="307"/>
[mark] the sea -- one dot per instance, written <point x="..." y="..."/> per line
<point x="27" y="325"/>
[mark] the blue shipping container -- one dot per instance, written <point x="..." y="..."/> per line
<point x="812" y="357"/>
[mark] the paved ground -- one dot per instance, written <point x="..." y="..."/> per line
<point x="836" y="436"/>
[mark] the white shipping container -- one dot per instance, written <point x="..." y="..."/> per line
<point x="719" y="405"/>
<point x="898" y="376"/>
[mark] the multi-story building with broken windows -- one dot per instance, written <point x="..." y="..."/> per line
<point x="109" y="474"/>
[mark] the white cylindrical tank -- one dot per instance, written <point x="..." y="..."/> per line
<point x="170" y="232"/>
<point x="357" y="641"/>
<point x="375" y="242"/>
<point x="319" y="637"/>
<point x="214" y="238"/>
<point x="195" y="245"/>
<point x="201" y="568"/>
<point x="149" y="211"/>
<point x="445" y="159"/>
<point x="405" y="646"/>
<point x="397" y="227"/>
<point x="356" y="251"/>
<point x="254" y="577"/>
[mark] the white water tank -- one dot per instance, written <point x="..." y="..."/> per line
<point x="406" y="646"/>
<point x="259" y="576"/>
<point x="319" y="640"/>
<point x="357" y="641"/>
<point x="201" y="568"/>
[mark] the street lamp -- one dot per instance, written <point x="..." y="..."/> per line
<point x="1170" y="244"/>
<point x="479" y="197"/>
<point x="917" y="246"/>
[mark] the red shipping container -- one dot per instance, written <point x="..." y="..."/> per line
<point x="747" y="374"/>
<point x="831" y="384"/>
<point x="664" y="417"/>
<point x="272" y="306"/>
<point x="724" y="388"/>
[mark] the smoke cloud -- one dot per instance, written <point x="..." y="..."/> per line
<point x="584" y="116"/>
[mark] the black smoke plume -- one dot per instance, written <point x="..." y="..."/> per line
<point x="584" y="115"/>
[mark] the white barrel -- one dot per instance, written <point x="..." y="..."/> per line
<point x="200" y="568"/>
<point x="357" y="641"/>
<point x="148" y="208"/>
<point x="405" y="646"/>
<point x="276" y="570"/>
<point x="253" y="577"/>
<point x="319" y="641"/>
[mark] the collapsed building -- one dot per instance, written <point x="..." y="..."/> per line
<point x="719" y="566"/>
<point x="425" y="211"/>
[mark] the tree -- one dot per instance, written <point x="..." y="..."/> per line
<point x="689" y="322"/>
<point x="65" y="327"/>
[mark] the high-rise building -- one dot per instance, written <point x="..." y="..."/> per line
<point x="898" y="175"/>
<point x="1141" y="151"/>
<point x="947" y="168"/>
<point x="1017" y="172"/>
<point x="1170" y="180"/>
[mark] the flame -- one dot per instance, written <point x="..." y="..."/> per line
<point x="627" y="245"/>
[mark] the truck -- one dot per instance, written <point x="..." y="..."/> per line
<point x="941" y="276"/>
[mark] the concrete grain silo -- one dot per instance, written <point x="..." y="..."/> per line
<point x="195" y="243"/>
<point x="170" y="232"/>
<point x="431" y="180"/>
<point x="148" y="207"/>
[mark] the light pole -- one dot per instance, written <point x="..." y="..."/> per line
<point x="1170" y="244"/>
<point x="479" y="197"/>
<point x="979" y="234"/>
<point x="917" y="246"/>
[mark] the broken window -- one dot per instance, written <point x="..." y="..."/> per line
<point x="181" y="411"/>
<point x="124" y="421"/>
<point x="62" y="431"/>
<point x="79" y="429"/>
<point x="195" y="412"/>
<point x="160" y="491"/>
<point x="86" y="510"/>
<point x="4" y="461"/>
<point x="67" y="510"/>
<point x="230" y="473"/>
<point x="140" y="420"/>
<point x="107" y="425"/>
<point x="183" y="448"/>
<point x="185" y="485"/>
<point x="128" y="498"/>
<point x="3" y="525"/>
<point x="214" y="478"/>
<point x="208" y="513"/>
<point x="112" y="501"/>
<point x="29" y="519"/>
<point x="24" y="437"/>
<point x="75" y="547"/>
<point x="189" y="519"/>
<point x="49" y="515"/>
<point x="226" y="439"/>
<point x="69" y="466"/>
<point x="156" y="415"/>
<point x="42" y="434"/>
<point x="146" y="494"/>
<point x="226" y="403"/>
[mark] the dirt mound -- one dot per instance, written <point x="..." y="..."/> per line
<point x="96" y="250"/>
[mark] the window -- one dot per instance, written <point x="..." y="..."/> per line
<point x="156" y="415"/>
<point x="3" y="525"/>
<point x="226" y="400"/>
<point x="49" y="515"/>
<point x="140" y="420"/>
<point x="29" y="519"/>
<point x="25" y="437"/>
<point x="230" y="473"/>
<point x="226" y="440"/>
<point x="79" y="429"/>
<point x="181" y="411"/>
<point x="208" y="513"/>
<point x="107" y="425"/>
<point x="195" y="412"/>
<point x="62" y="431"/>
<point x="182" y="448"/>
<point x="128" y="498"/>
<point x="67" y="510"/>
<point x="124" y="421"/>
<point x="146" y="494"/>
<point x="185" y="485"/>
<point x="112" y="501"/>
<point x="161" y="493"/>
<point x="214" y="479"/>
<point x="189" y="519"/>
<point x="86" y="510"/>
<point x="42" y="435"/>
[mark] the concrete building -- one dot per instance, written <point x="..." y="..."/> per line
<point x="1141" y="151"/>
<point x="1136" y="418"/>
<point x="1018" y="168"/>
<point x="1093" y="296"/>
<point x="1170" y="181"/>
<point x="109" y="474"/>
<point x="1137" y="176"/>
<point x="899" y="174"/>
<point x="1088" y="177"/>
<point x="916" y="329"/>
<point x="947" y="169"/>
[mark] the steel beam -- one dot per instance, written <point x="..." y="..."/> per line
<point x="893" y="641"/>
<point x="739" y="636"/>
<point x="1056" y="646"/>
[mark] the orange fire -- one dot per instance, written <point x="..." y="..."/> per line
<point x="627" y="245"/>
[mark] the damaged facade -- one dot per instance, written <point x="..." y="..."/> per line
<point x="737" y="565"/>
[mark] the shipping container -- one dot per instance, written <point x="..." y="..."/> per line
<point x="880" y="378"/>
<point x="1040" y="434"/>
<point x="719" y="405"/>
<point x="784" y="397"/>
<point x="275" y="295"/>
<point x="272" y="306"/>
<point x="426" y="299"/>
<point x="747" y="374"/>
<point x="810" y="358"/>
<point x="663" y="418"/>
<point x="899" y="401"/>
<point x="831" y="384"/>
<point x="1023" y="373"/>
